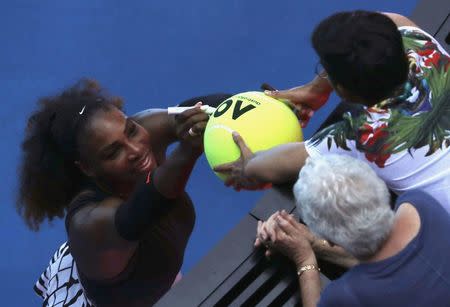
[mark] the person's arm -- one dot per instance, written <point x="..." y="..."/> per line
<point x="172" y="174"/>
<point x="95" y="244"/>
<point x="277" y="165"/>
<point x="307" y="98"/>
<point x="333" y="254"/>
<point x="292" y="239"/>
<point x="309" y="281"/>
<point x="161" y="126"/>
<point x="400" y="20"/>
<point x="171" y="177"/>
<point x="105" y="235"/>
<point x="313" y="94"/>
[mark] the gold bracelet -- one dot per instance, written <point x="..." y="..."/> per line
<point x="307" y="267"/>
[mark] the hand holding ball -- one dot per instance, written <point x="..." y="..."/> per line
<point x="263" y="122"/>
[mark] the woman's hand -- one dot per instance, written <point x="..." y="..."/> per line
<point x="262" y="235"/>
<point x="235" y="171"/>
<point x="305" y="99"/>
<point x="190" y="125"/>
<point x="290" y="238"/>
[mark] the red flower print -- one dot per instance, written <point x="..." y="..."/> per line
<point x="434" y="59"/>
<point x="378" y="158"/>
<point x="372" y="141"/>
<point x="365" y="133"/>
<point x="430" y="54"/>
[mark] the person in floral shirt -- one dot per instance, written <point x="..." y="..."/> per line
<point x="396" y="77"/>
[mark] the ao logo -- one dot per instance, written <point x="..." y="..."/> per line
<point x="238" y="110"/>
<point x="262" y="121"/>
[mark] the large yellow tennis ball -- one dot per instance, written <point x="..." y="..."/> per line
<point x="262" y="121"/>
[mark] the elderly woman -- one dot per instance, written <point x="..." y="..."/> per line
<point x="341" y="199"/>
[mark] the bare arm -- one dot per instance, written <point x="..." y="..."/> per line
<point x="309" y="282"/>
<point x="333" y="254"/>
<point x="291" y="238"/>
<point x="277" y="165"/>
<point x="161" y="126"/>
<point x="98" y="249"/>
<point x="171" y="177"/>
<point x="400" y="20"/>
<point x="104" y="235"/>
<point x="307" y="98"/>
<point x="172" y="174"/>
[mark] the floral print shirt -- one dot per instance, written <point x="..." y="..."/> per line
<point x="406" y="139"/>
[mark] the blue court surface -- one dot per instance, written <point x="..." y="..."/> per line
<point x="153" y="54"/>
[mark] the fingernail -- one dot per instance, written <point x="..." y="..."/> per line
<point x="270" y="92"/>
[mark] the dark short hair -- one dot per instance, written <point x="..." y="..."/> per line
<point x="363" y="52"/>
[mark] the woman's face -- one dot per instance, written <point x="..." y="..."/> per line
<point x="117" y="150"/>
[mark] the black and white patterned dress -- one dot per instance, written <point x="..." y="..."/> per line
<point x="59" y="285"/>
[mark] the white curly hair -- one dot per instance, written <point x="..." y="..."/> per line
<point x="343" y="200"/>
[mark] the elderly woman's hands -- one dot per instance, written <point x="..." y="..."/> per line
<point x="322" y="248"/>
<point x="262" y="236"/>
<point x="190" y="125"/>
<point x="282" y="233"/>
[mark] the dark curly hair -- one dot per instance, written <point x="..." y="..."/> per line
<point x="363" y="52"/>
<point x="49" y="178"/>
